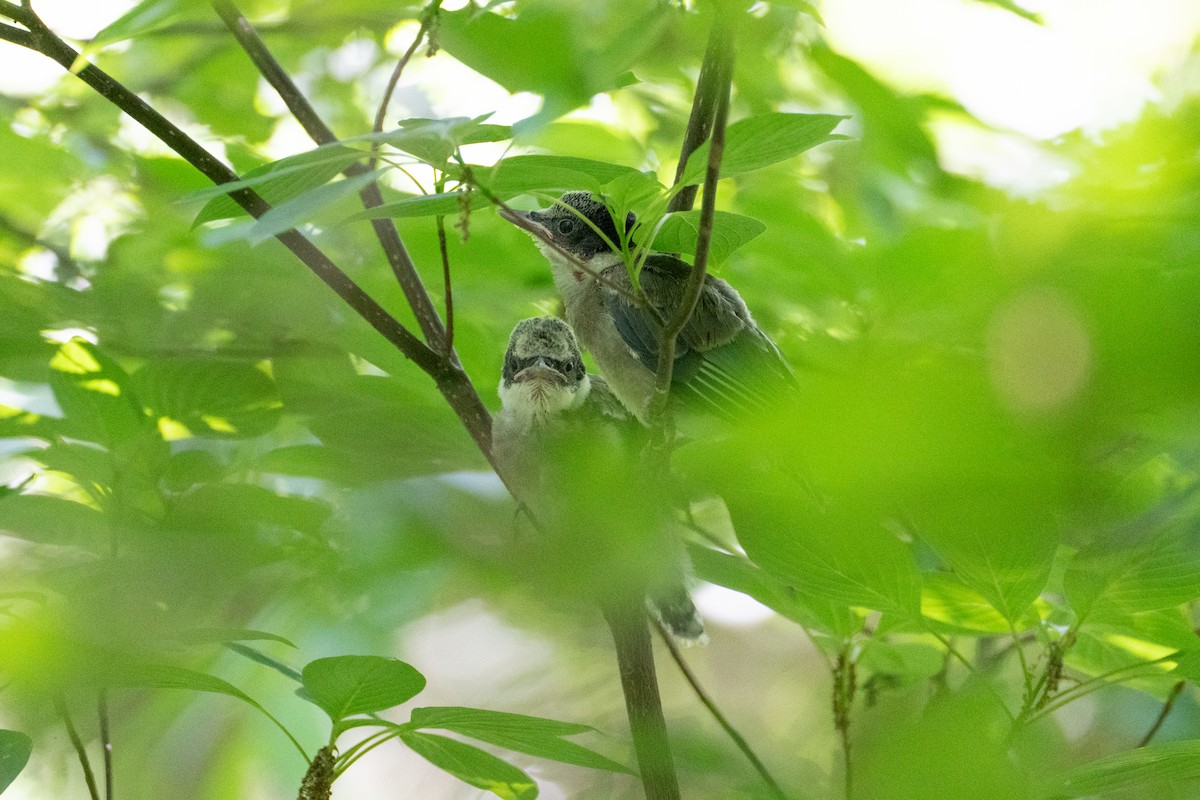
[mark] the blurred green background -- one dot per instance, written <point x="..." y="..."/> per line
<point x="989" y="289"/>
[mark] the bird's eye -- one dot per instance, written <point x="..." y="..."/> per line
<point x="566" y="226"/>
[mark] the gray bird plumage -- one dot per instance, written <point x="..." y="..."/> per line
<point x="722" y="359"/>
<point x="551" y="408"/>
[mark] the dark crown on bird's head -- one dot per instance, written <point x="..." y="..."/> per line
<point x="575" y="235"/>
<point x="546" y="338"/>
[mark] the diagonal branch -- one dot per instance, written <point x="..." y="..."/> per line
<point x="700" y="122"/>
<point x="453" y="383"/>
<point x="11" y="33"/>
<point x="385" y="229"/>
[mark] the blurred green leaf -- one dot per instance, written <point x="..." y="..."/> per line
<point x="15" y="749"/>
<point x="295" y="212"/>
<point x="434" y="141"/>
<point x="223" y="635"/>
<point x="520" y="174"/>
<point x="146" y="16"/>
<point x="1159" y="573"/>
<point x="534" y="736"/>
<point x="741" y="575"/>
<point x="947" y="600"/>
<point x="97" y="396"/>
<point x="278" y="181"/>
<point x="346" y="685"/>
<point x="763" y="140"/>
<point x="1156" y="765"/>
<point x="52" y="520"/>
<point x="1009" y="5"/>
<point x="430" y="205"/>
<point x="472" y="765"/>
<point x="681" y="231"/>
<point x="209" y="397"/>
<point x="833" y="555"/>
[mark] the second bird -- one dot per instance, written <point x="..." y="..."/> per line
<point x="723" y="360"/>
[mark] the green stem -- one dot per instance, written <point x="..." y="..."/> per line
<point x="80" y="751"/>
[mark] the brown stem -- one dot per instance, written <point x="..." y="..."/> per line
<point x="1176" y="690"/>
<point x="385" y="229"/>
<point x="723" y="66"/>
<point x="704" y="104"/>
<point x="721" y="719"/>
<point x="80" y="751"/>
<point x="426" y="20"/>
<point x="447" y="288"/>
<point x="105" y="743"/>
<point x="635" y="658"/>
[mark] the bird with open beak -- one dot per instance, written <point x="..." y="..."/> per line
<point x="723" y="360"/>
<point x="562" y="441"/>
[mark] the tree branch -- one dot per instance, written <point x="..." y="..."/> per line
<point x="703" y="107"/>
<point x="626" y="617"/>
<point x="385" y="229"/>
<point x="11" y="33"/>
<point x="453" y="383"/>
<point x="721" y="719"/>
<point x="723" y="73"/>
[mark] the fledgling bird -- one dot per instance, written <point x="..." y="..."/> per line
<point x="722" y="358"/>
<point x="551" y="409"/>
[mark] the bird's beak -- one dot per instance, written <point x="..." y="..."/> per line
<point x="540" y="372"/>
<point x="526" y="222"/>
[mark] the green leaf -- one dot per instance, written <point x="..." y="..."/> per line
<point x="302" y="208"/>
<point x="435" y="140"/>
<point x="1159" y="573"/>
<point x="908" y="662"/>
<point x="741" y="575"/>
<point x="347" y="685"/>
<point x="680" y="233"/>
<point x="472" y="765"/>
<point x="223" y="635"/>
<point x="209" y="397"/>
<point x="534" y="736"/>
<point x="520" y="174"/>
<point x="429" y="205"/>
<point x="1152" y="766"/>
<point x="1009" y="5"/>
<point x="762" y="140"/>
<point x="947" y="600"/>
<point x="146" y="16"/>
<point x="278" y="181"/>
<point x="96" y="396"/>
<point x="15" y="749"/>
<point x="51" y="520"/>
<point x="834" y="554"/>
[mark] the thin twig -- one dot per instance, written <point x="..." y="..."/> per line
<point x="105" y="743"/>
<point x="708" y="703"/>
<point x="15" y="35"/>
<point x="80" y="750"/>
<point x="447" y="288"/>
<point x="666" y="352"/>
<point x="426" y="20"/>
<point x="1176" y="690"/>
<point x="21" y="14"/>
<point x="385" y="229"/>
<point x="700" y="121"/>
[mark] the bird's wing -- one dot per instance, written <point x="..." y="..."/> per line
<point x="602" y="401"/>
<point x="721" y="356"/>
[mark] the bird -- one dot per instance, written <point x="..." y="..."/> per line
<point x="724" y="362"/>
<point x="563" y="443"/>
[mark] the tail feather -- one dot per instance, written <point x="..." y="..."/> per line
<point x="674" y="609"/>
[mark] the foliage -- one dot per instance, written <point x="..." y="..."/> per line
<point x="983" y="513"/>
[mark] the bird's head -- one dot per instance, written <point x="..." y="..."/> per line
<point x="543" y="372"/>
<point x="563" y="223"/>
